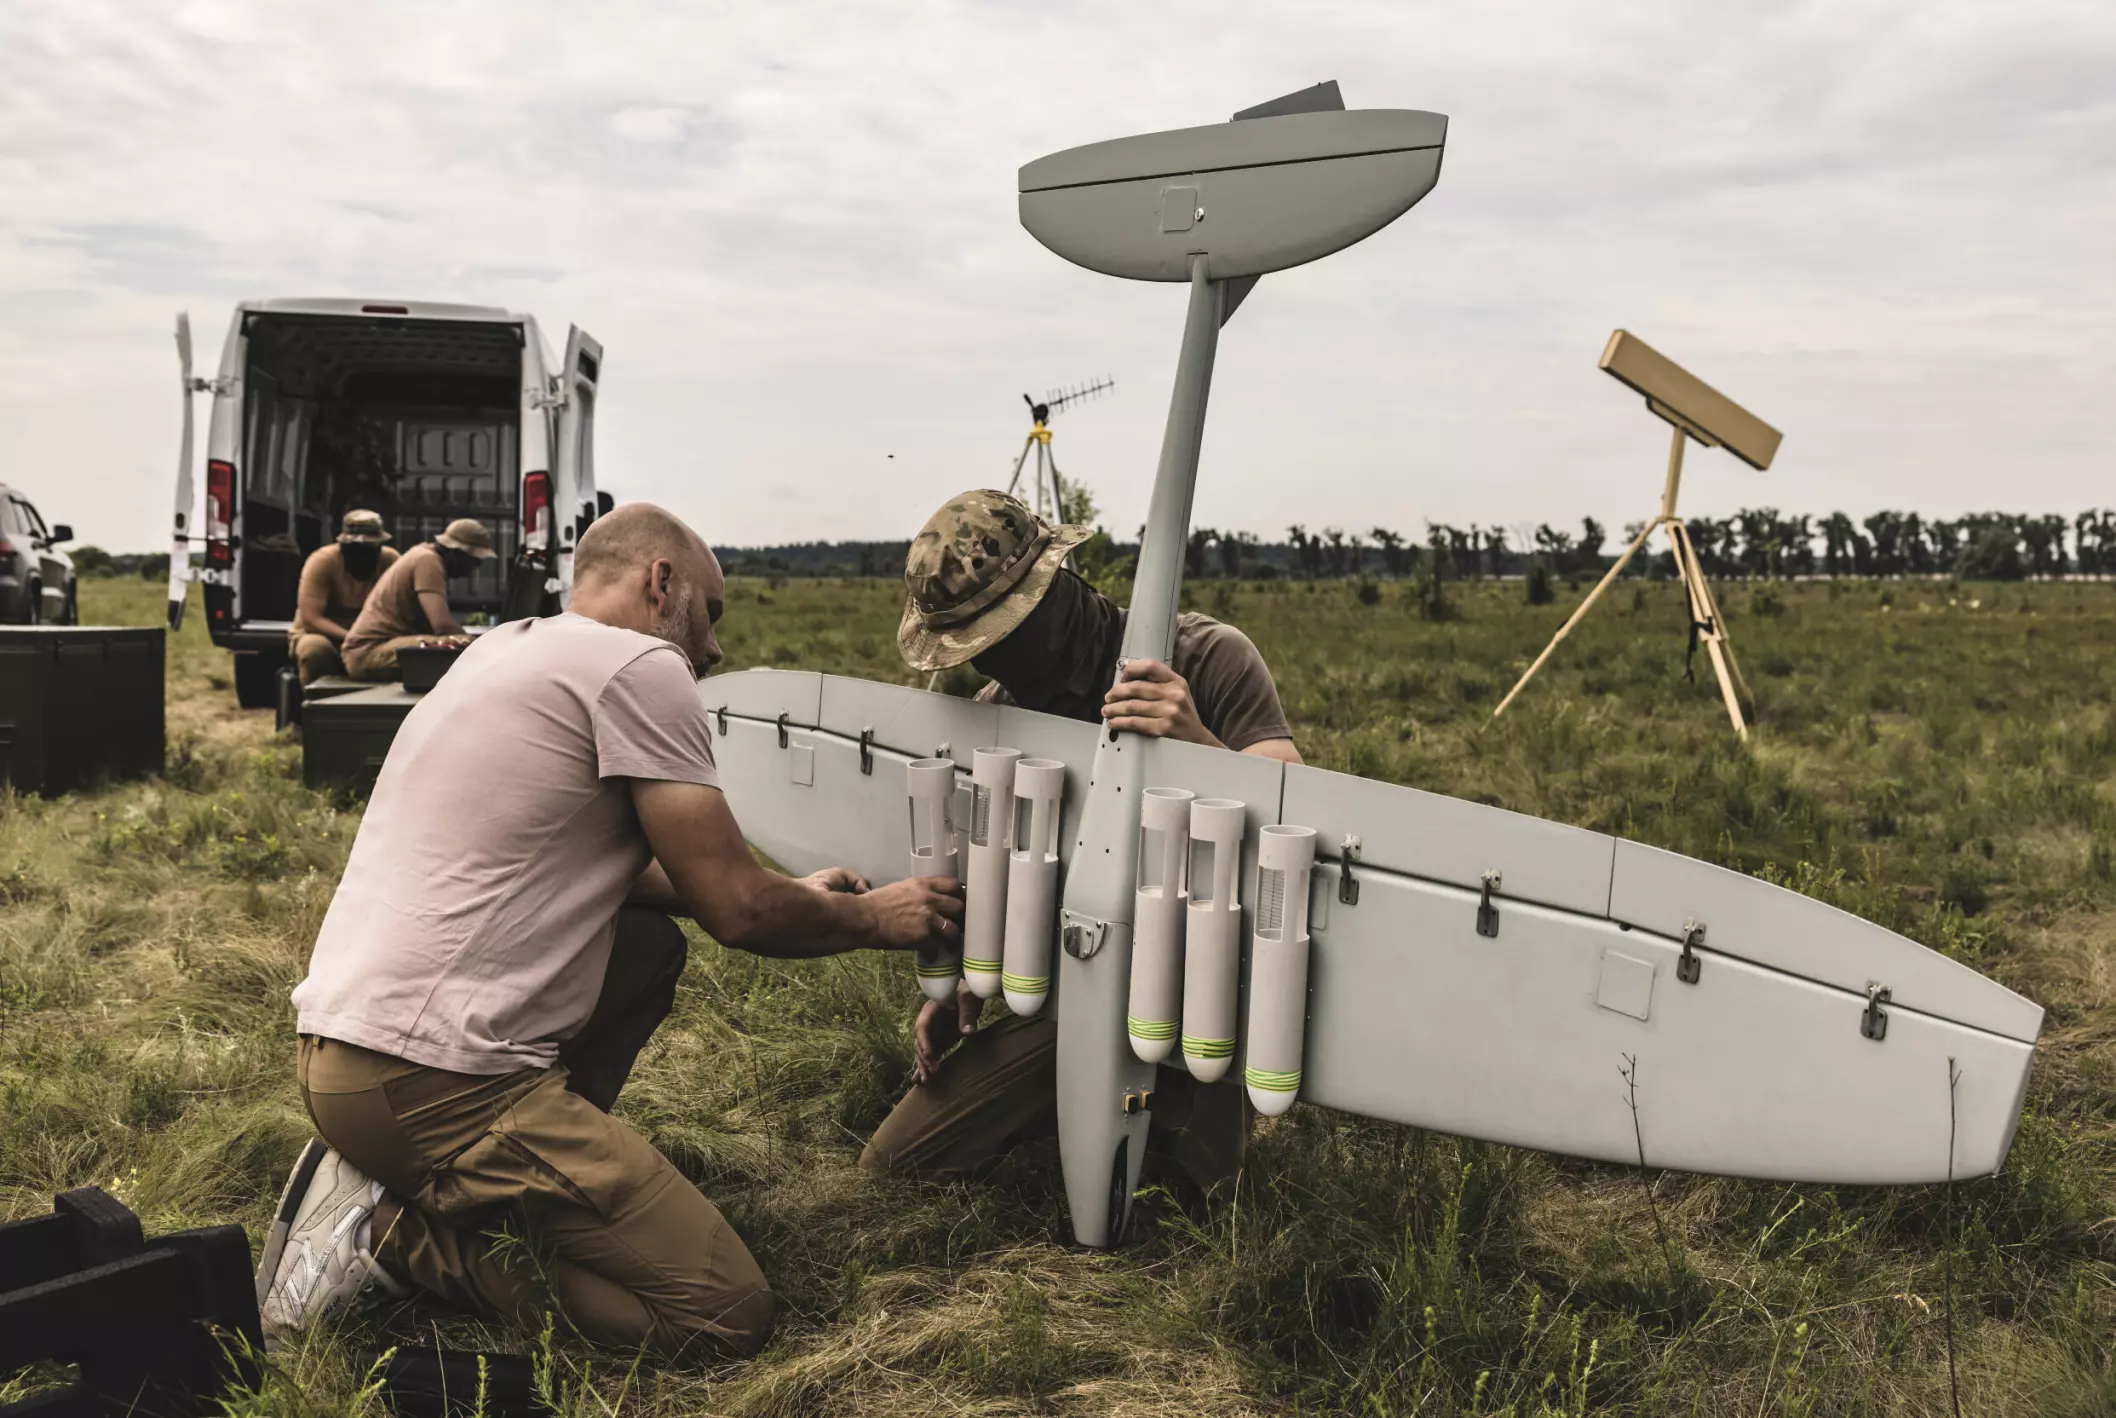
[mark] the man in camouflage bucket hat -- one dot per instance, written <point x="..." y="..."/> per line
<point x="336" y="581"/>
<point x="977" y="568"/>
<point x="986" y="583"/>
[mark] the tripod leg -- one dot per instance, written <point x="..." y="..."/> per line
<point x="1015" y="481"/>
<point x="1574" y="619"/>
<point x="1726" y="643"/>
<point x="1702" y="609"/>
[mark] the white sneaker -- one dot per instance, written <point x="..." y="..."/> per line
<point x="316" y="1256"/>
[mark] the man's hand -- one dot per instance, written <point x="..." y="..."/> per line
<point x="939" y="1027"/>
<point x="1152" y="699"/>
<point x="917" y="913"/>
<point x="835" y="879"/>
<point x="702" y="863"/>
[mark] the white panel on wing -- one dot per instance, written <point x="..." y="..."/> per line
<point x="1785" y="930"/>
<point x="1071" y="742"/>
<point x="765" y="694"/>
<point x="911" y="721"/>
<point x="1446" y="839"/>
<point x="773" y="811"/>
<point x="1417" y="1018"/>
<point x="862" y="820"/>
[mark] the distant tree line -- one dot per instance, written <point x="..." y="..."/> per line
<point x="94" y="561"/>
<point x="1756" y="542"/>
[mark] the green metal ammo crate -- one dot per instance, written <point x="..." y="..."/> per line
<point x="345" y="738"/>
<point x="78" y="703"/>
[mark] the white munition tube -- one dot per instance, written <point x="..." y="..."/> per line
<point x="1278" y="968"/>
<point x="1157" y="922"/>
<point x="1212" y="950"/>
<point x="984" y="927"/>
<point x="930" y="783"/>
<point x="1032" y="884"/>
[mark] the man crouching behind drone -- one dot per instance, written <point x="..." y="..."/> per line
<point x="498" y="952"/>
<point x="988" y="585"/>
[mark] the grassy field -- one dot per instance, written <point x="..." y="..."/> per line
<point x="1941" y="759"/>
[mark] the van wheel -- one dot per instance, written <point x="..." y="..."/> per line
<point x="33" y="613"/>
<point x="73" y="606"/>
<point x="257" y="678"/>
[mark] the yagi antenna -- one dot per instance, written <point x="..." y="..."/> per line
<point x="1049" y="496"/>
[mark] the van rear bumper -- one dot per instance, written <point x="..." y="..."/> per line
<point x="264" y="635"/>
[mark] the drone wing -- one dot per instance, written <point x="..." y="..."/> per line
<point x="1502" y="1013"/>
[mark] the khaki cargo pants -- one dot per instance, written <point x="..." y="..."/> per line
<point x="316" y="655"/>
<point x="997" y="1090"/>
<point x="602" y="1228"/>
<point x="379" y="660"/>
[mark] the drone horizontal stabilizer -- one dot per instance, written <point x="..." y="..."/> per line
<point x="1251" y="196"/>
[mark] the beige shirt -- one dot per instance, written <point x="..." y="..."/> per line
<point x="393" y="608"/>
<point x="472" y="927"/>
<point x="324" y="579"/>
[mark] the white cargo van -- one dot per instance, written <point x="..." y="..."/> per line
<point x="420" y="411"/>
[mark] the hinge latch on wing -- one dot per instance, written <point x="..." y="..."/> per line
<point x="1347" y="884"/>
<point x="867" y="752"/>
<point x="782" y="729"/>
<point x="1488" y="909"/>
<point x="1874" y="1022"/>
<point x="722" y="713"/>
<point x="1688" y="964"/>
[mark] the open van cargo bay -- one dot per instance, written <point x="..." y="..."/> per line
<point x="420" y="411"/>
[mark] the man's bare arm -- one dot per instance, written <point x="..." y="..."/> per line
<point x="1283" y="750"/>
<point x="700" y="854"/>
<point x="438" y="616"/>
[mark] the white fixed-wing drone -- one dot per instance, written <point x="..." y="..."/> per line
<point x="1388" y="952"/>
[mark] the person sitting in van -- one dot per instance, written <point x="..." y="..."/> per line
<point x="409" y="605"/>
<point x="336" y="581"/>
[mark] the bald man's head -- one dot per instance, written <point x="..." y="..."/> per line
<point x="638" y="566"/>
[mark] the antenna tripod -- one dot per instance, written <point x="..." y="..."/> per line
<point x="1706" y="623"/>
<point x="1048" y="499"/>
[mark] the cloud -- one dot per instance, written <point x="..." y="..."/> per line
<point x="1881" y="226"/>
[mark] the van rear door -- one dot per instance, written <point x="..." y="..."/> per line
<point x="573" y="467"/>
<point x="180" y="545"/>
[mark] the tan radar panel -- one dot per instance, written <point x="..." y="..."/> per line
<point x="1698" y="411"/>
<point x="1688" y="402"/>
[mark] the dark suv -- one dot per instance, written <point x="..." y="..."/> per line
<point x="36" y="578"/>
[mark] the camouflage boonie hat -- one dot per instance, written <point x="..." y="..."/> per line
<point x="467" y="534"/>
<point x="976" y="570"/>
<point x="360" y="525"/>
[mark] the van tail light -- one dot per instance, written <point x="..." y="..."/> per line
<point x="536" y="512"/>
<point x="220" y="511"/>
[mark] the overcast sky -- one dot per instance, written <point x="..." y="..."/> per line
<point x="1888" y="229"/>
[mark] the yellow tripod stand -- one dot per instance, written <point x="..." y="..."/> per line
<point x="1704" y="610"/>
<point x="1696" y="410"/>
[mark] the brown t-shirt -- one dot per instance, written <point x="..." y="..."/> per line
<point x="472" y="927"/>
<point x="393" y="608"/>
<point x="324" y="578"/>
<point x="1229" y="682"/>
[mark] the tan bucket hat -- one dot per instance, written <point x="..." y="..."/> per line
<point x="361" y="525"/>
<point x="468" y="534"/>
<point x="976" y="570"/>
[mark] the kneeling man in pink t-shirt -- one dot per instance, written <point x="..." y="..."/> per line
<point x="500" y="949"/>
